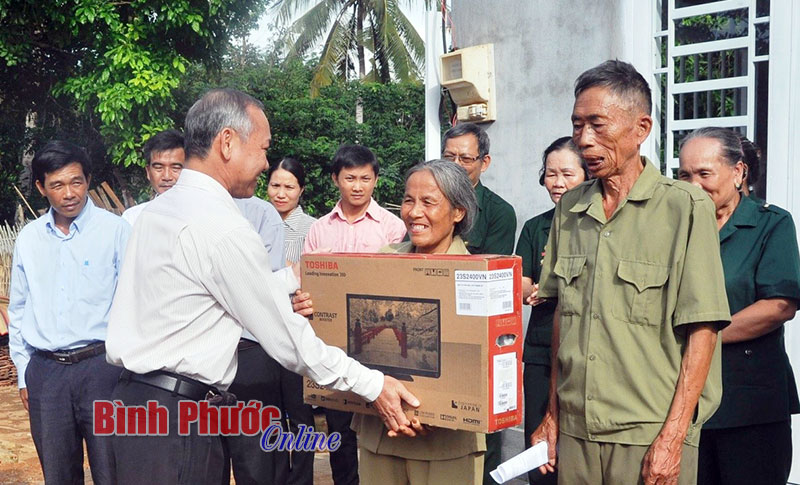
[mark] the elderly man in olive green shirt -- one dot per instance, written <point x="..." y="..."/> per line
<point x="633" y="258"/>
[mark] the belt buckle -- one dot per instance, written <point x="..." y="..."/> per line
<point x="64" y="359"/>
<point x="210" y="394"/>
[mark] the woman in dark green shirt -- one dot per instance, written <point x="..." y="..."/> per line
<point x="562" y="169"/>
<point x="749" y="438"/>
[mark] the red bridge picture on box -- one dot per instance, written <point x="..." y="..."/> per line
<point x="398" y="336"/>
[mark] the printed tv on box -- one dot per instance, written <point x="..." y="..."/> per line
<point x="448" y="326"/>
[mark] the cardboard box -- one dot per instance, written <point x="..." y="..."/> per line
<point x="450" y="327"/>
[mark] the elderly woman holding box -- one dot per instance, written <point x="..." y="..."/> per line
<point x="749" y="439"/>
<point x="439" y="206"/>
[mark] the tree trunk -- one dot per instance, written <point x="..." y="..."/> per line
<point x="360" y="14"/>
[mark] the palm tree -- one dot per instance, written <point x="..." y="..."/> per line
<point x="354" y="27"/>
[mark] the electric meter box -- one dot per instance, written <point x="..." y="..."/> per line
<point x="468" y="74"/>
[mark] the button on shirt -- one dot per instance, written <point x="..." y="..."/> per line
<point x="196" y="273"/>
<point x="760" y="259"/>
<point x="62" y="284"/>
<point x="627" y="287"/>
<point x="370" y="232"/>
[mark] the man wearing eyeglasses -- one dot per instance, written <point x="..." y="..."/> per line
<point x="164" y="155"/>
<point x="494" y="229"/>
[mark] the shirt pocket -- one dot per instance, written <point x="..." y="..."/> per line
<point x="96" y="285"/>
<point x="568" y="269"/>
<point x="641" y="292"/>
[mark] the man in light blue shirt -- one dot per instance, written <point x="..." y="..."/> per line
<point x="258" y="376"/>
<point x="63" y="278"/>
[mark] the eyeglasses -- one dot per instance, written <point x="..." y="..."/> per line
<point x="461" y="158"/>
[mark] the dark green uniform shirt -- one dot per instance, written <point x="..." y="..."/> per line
<point x="530" y="248"/>
<point x="627" y="287"/>
<point x="495" y="226"/>
<point x="760" y="260"/>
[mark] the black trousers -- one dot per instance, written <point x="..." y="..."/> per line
<point x="296" y="412"/>
<point x="344" y="461"/>
<point x="746" y="455"/>
<point x="60" y="399"/>
<point x="536" y="385"/>
<point x="492" y="458"/>
<point x="167" y="460"/>
<point x="257" y="378"/>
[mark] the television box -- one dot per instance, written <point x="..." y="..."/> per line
<point x="449" y="327"/>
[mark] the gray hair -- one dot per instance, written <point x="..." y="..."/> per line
<point x="216" y="110"/>
<point x="622" y="79"/>
<point x="728" y="140"/>
<point x="462" y="129"/>
<point x="454" y="183"/>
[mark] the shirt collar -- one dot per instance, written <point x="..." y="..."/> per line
<point x="79" y="222"/>
<point x="294" y="217"/>
<point x="480" y="194"/>
<point x="372" y="211"/>
<point x="745" y="215"/>
<point x="457" y="246"/>
<point x="591" y="201"/>
<point x="193" y="178"/>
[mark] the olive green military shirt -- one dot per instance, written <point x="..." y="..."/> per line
<point x="495" y="226"/>
<point x="627" y="287"/>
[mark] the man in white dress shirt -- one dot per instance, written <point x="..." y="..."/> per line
<point x="195" y="274"/>
<point x="164" y="155"/>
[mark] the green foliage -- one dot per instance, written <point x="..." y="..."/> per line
<point x="311" y="129"/>
<point x="102" y="73"/>
<point x="351" y="27"/>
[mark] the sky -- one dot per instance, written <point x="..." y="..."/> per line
<point x="262" y="36"/>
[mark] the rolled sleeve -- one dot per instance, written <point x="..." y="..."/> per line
<point x="778" y="272"/>
<point x="701" y="293"/>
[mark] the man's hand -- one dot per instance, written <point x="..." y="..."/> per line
<point x="23" y="395"/>
<point x="547" y="431"/>
<point x="662" y="462"/>
<point x="418" y="428"/>
<point x="389" y="406"/>
<point x="533" y="299"/>
<point x="302" y="304"/>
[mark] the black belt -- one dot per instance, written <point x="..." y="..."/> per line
<point x="245" y="344"/>
<point x="173" y="383"/>
<point x="74" y="356"/>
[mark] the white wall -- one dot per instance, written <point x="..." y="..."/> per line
<point x="540" y="48"/>
<point x="783" y="151"/>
